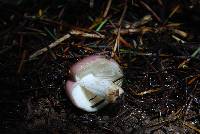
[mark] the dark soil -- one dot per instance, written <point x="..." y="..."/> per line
<point x="160" y="60"/>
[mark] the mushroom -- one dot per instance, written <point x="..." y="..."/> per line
<point x="97" y="82"/>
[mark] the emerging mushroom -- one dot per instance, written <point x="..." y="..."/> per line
<point x="97" y="82"/>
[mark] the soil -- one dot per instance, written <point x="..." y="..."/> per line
<point x="160" y="59"/>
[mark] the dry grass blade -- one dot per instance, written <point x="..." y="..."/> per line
<point x="150" y="91"/>
<point x="107" y="8"/>
<point x="52" y="45"/>
<point x="193" y="79"/>
<point x="124" y="42"/>
<point x="180" y="32"/>
<point x="88" y="35"/>
<point x="118" y="32"/>
<point x="116" y="44"/>
<point x="174" y="11"/>
<point x="191" y="127"/>
<point x="149" y="9"/>
<point x="58" y="41"/>
<point x="142" y="21"/>
<point x="123" y="14"/>
<point x="22" y="61"/>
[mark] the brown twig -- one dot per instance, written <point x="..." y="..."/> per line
<point x="150" y="10"/>
<point x="123" y="14"/>
<point x="191" y="127"/>
<point x="118" y="32"/>
<point x="142" y="21"/>
<point x="65" y="37"/>
<point x="52" y="45"/>
<point x="116" y="43"/>
<point x="124" y="42"/>
<point x="107" y="8"/>
<point x="88" y="35"/>
<point x="22" y="61"/>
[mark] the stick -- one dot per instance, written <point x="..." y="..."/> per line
<point x="52" y="45"/>
<point x="58" y="41"/>
<point x="107" y="8"/>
